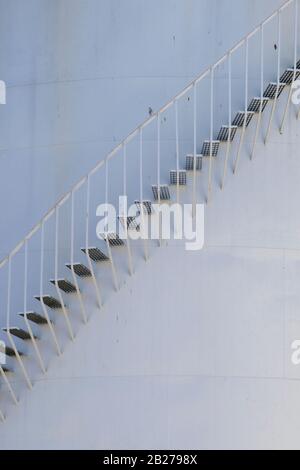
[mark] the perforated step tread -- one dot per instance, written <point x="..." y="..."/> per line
<point x="270" y="91"/>
<point x="113" y="239"/>
<point x="8" y="351"/>
<point x="64" y="285"/>
<point x="189" y="162"/>
<point x="19" y="333"/>
<point x="34" y="318"/>
<point x="147" y="206"/>
<point x="163" y="193"/>
<point x="257" y="104"/>
<point x="241" y="117"/>
<point x="178" y="177"/>
<point x="95" y="254"/>
<point x="49" y="301"/>
<point x="224" y="133"/>
<point x="129" y="222"/>
<point x="210" y="148"/>
<point x="288" y="76"/>
<point x="79" y="269"/>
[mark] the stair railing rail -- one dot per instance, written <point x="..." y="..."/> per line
<point x="121" y="148"/>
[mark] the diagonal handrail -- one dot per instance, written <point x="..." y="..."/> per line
<point x="138" y="129"/>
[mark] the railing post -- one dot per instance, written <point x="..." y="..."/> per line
<point x="8" y="325"/>
<point x="158" y="175"/>
<point x="295" y="68"/>
<point x="177" y="150"/>
<point x="130" y="263"/>
<point x="211" y="132"/>
<point x="44" y="308"/>
<point x="65" y="313"/>
<point x="112" y="264"/>
<point x="194" y="148"/>
<point x="32" y="337"/>
<point x="79" y="295"/>
<point x="278" y="78"/>
<point x="246" y="104"/>
<point x="143" y="234"/>
<point x="87" y="231"/>
<point x="229" y="119"/>
<point x="259" y="118"/>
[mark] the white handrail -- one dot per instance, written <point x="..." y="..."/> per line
<point x="130" y="136"/>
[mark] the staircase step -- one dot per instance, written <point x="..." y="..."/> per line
<point x="210" y="147"/>
<point x="79" y="269"/>
<point x="6" y="369"/>
<point x="64" y="285"/>
<point x="129" y="222"/>
<point x="255" y="104"/>
<point x="147" y="206"/>
<point x="95" y="254"/>
<point x="178" y="177"/>
<point x="224" y="133"/>
<point x="240" y="118"/>
<point x="189" y="162"/>
<point x="288" y="75"/>
<point x="270" y="91"/>
<point x="8" y="351"/>
<point x="19" y="333"/>
<point x="113" y="239"/>
<point x="34" y="317"/>
<point x="49" y="301"/>
<point x="163" y="193"/>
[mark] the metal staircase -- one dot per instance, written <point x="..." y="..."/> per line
<point x="26" y="331"/>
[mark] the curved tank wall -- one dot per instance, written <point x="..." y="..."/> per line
<point x="196" y="357"/>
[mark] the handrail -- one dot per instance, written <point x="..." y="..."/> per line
<point x="135" y="132"/>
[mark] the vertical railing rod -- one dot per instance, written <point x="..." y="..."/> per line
<point x="177" y="151"/>
<point x="144" y="235"/>
<point x="8" y="326"/>
<point x="259" y="118"/>
<point x="211" y="132"/>
<point x="56" y="279"/>
<point x="246" y="105"/>
<point x="44" y="308"/>
<point x="129" y="254"/>
<point x="278" y="77"/>
<point x="158" y="175"/>
<point x="194" y="148"/>
<point x="295" y="68"/>
<point x="229" y="119"/>
<point x="107" y="235"/>
<point x="78" y="292"/>
<point x="32" y="336"/>
<point x="87" y="232"/>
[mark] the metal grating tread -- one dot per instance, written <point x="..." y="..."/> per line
<point x="270" y="91"/>
<point x="64" y="285"/>
<point x="163" y="193"/>
<point x="210" y="148"/>
<point x="79" y="269"/>
<point x="34" y="318"/>
<point x="189" y="163"/>
<point x="178" y="177"/>
<point x="129" y="222"/>
<point x="95" y="254"/>
<point x="19" y="333"/>
<point x="147" y="206"/>
<point x="240" y="118"/>
<point x="6" y="369"/>
<point x="49" y="301"/>
<point x="288" y="76"/>
<point x="113" y="239"/>
<point x="298" y="64"/>
<point x="258" y="103"/>
<point x="8" y="351"/>
<point x="224" y="133"/>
